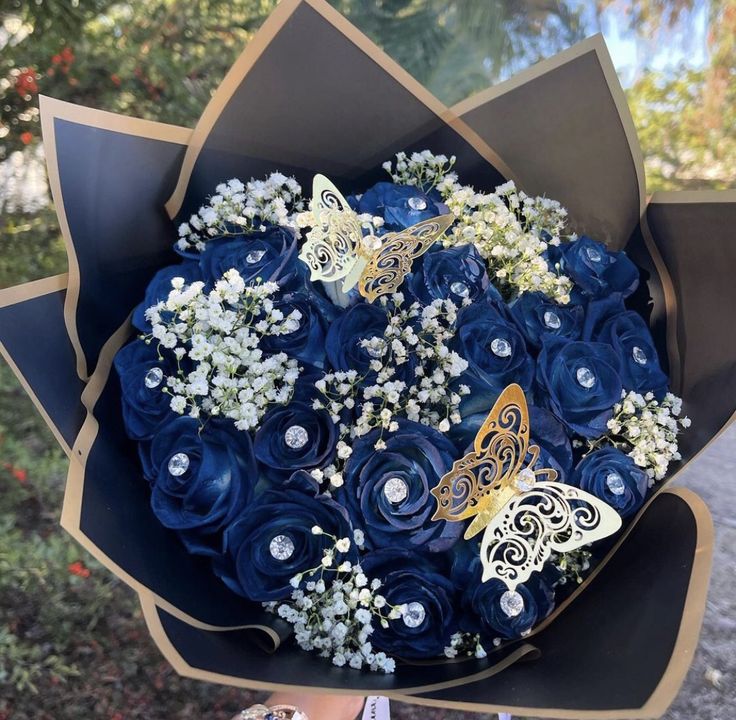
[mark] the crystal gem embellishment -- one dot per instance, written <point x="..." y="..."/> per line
<point x="153" y="378"/>
<point x="460" y="289"/>
<point x="585" y="377"/>
<point x="296" y="437"/>
<point x="512" y="603"/>
<point x="395" y="490"/>
<point x="525" y="479"/>
<point x="377" y="349"/>
<point x="417" y="203"/>
<point x="640" y="357"/>
<point x="414" y="614"/>
<point x="615" y="483"/>
<point x="178" y="464"/>
<point x="552" y="320"/>
<point x="593" y="254"/>
<point x="501" y="347"/>
<point x="254" y="256"/>
<point x="281" y="547"/>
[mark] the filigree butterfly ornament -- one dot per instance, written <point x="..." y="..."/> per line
<point x="336" y="248"/>
<point x="526" y="514"/>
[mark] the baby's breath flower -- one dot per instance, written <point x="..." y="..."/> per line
<point x="647" y="430"/>
<point x="220" y="331"/>
<point x="236" y="208"/>
<point x="333" y="612"/>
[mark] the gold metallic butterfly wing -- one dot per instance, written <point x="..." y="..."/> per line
<point x="480" y="484"/>
<point x="388" y="267"/>
<point x="333" y="244"/>
<point x="551" y="517"/>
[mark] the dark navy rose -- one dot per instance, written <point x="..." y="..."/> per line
<point x="487" y="607"/>
<point x="612" y="476"/>
<point x="549" y="435"/>
<point x="418" y="583"/>
<point x="639" y="368"/>
<point x="538" y="316"/>
<point x="580" y="383"/>
<point x="596" y="270"/>
<point x="295" y="437"/>
<point x="400" y="206"/>
<point x="598" y="312"/>
<point x="387" y="492"/>
<point x="454" y="273"/>
<point x="142" y="378"/>
<point x="362" y="321"/>
<point x="160" y="287"/>
<point x="496" y="353"/>
<point x="204" y="478"/>
<point x="270" y="255"/>
<point x="307" y="342"/>
<point x="272" y="541"/>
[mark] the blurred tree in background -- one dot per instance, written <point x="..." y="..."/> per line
<point x="67" y="627"/>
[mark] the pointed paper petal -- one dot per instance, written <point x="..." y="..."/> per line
<point x="109" y="177"/>
<point x="312" y="94"/>
<point x="564" y="126"/>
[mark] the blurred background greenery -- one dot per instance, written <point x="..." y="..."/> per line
<point x="72" y="643"/>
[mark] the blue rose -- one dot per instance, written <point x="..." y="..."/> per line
<point x="160" y="287"/>
<point x="453" y="274"/>
<point x="142" y="378"/>
<point x="418" y="583"/>
<point x="400" y="206"/>
<point x="538" y="316"/>
<point x="546" y="432"/>
<point x="496" y="353"/>
<point x="612" y="476"/>
<point x="639" y="368"/>
<point x="596" y="270"/>
<point x="387" y="492"/>
<point x="295" y="437"/>
<point x="270" y="256"/>
<point x="484" y="605"/>
<point x="272" y="541"/>
<point x="307" y="342"/>
<point x="598" y="312"/>
<point x="580" y="383"/>
<point x="204" y="477"/>
<point x="362" y="321"/>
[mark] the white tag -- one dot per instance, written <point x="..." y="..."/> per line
<point x="504" y="716"/>
<point x="377" y="708"/>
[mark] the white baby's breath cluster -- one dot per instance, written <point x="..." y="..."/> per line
<point x="333" y="608"/>
<point x="510" y="229"/>
<point x="422" y="169"/>
<point x="465" y="645"/>
<point x="506" y="228"/>
<point x="219" y="331"/>
<point x="413" y="333"/>
<point x="647" y="429"/>
<point x="236" y="208"/>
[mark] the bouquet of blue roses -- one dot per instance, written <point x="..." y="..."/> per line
<point x="321" y="395"/>
<point x="410" y="418"/>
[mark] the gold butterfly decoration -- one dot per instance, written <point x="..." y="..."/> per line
<point x="336" y="249"/>
<point x="526" y="514"/>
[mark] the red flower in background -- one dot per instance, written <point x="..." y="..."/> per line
<point x="26" y="137"/>
<point x="18" y="473"/>
<point x="25" y="82"/>
<point x="79" y="569"/>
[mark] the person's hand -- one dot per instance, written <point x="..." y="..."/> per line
<point x="319" y="707"/>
